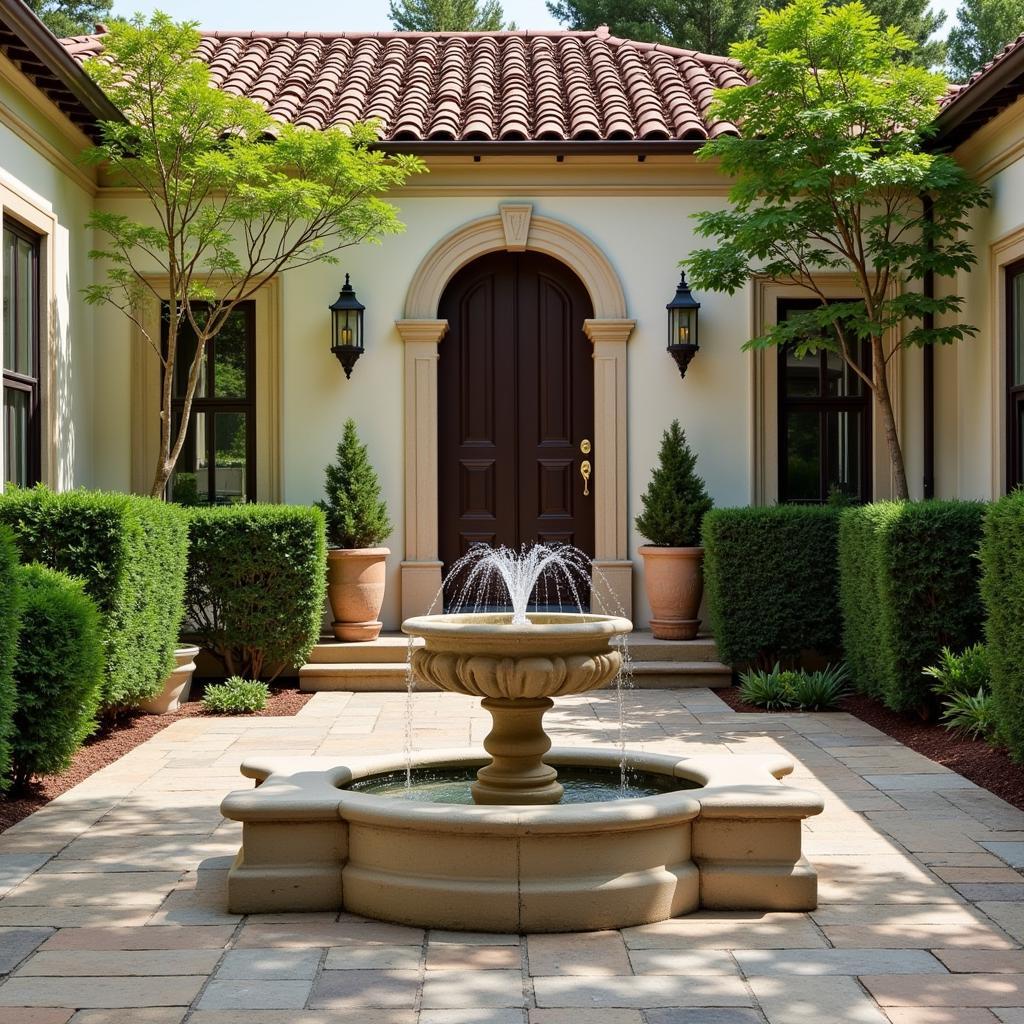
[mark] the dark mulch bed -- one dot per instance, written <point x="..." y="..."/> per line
<point x="117" y="737"/>
<point x="972" y="759"/>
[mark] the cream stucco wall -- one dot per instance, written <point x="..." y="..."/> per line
<point x="43" y="186"/>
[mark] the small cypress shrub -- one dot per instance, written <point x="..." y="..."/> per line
<point x="10" y="619"/>
<point x="58" y="672"/>
<point x="130" y="552"/>
<point x="772" y="582"/>
<point x="676" y="499"/>
<point x="256" y="585"/>
<point x="1002" y="587"/>
<point x="355" y="514"/>
<point x="909" y="586"/>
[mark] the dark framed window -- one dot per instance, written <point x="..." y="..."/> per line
<point x="218" y="461"/>
<point x="21" y="322"/>
<point x="1015" y="374"/>
<point x="824" y="422"/>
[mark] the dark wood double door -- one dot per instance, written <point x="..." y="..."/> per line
<point x="516" y="406"/>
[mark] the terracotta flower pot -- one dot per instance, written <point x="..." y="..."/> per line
<point x="674" y="581"/>
<point x="176" y="685"/>
<point x="355" y="586"/>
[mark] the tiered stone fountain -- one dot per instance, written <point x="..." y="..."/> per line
<point x="716" y="832"/>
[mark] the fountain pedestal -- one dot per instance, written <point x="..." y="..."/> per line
<point x="517" y="744"/>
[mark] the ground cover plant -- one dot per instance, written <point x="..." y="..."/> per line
<point x="236" y="696"/>
<point x="780" y="689"/>
<point x="963" y="682"/>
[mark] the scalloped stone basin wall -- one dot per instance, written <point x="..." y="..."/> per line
<point x="732" y="844"/>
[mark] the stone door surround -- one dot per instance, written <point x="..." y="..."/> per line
<point x="515" y="228"/>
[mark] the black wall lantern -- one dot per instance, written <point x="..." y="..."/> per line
<point x="682" y="326"/>
<point x="347" y="328"/>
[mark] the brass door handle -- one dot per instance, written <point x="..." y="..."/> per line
<point x="585" y="473"/>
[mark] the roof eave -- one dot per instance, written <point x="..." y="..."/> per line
<point x="966" y="113"/>
<point x="542" y="147"/>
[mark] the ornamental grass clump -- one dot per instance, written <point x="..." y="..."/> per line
<point x="963" y="682"/>
<point x="795" y="690"/>
<point x="236" y="696"/>
<point x="356" y="515"/>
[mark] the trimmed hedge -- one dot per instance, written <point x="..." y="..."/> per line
<point x="10" y="616"/>
<point x="1002" y="587"/>
<point x="131" y="554"/>
<point x="58" y="672"/>
<point x="909" y="586"/>
<point x="771" y="581"/>
<point x="256" y="584"/>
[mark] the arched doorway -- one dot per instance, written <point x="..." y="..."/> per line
<point x="515" y="406"/>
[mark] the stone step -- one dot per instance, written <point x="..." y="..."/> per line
<point x="388" y="647"/>
<point x="680" y="675"/>
<point x="643" y="647"/>
<point x="365" y="677"/>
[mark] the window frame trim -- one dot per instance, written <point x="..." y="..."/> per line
<point x="1013" y="394"/>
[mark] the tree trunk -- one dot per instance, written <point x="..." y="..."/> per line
<point x="892" y="439"/>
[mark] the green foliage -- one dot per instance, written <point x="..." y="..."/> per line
<point x="982" y="29"/>
<point x="676" y="499"/>
<point x="974" y="715"/>
<point x="131" y="554"/>
<point x="236" y="696"/>
<point x="58" y="672"/>
<point x="10" y="618"/>
<point x="909" y="575"/>
<point x="828" y="177"/>
<point x="70" y="17"/>
<point x="782" y="690"/>
<point x="356" y="515"/>
<point x="231" y="193"/>
<point x="771" y="581"/>
<point x="1002" y="588"/>
<point x="967" y="672"/>
<point x="256" y="584"/>
<point x="447" y="15"/>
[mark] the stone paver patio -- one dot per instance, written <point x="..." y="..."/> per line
<point x="112" y="897"/>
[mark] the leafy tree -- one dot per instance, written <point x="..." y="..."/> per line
<point x="357" y="516"/>
<point x="917" y="20"/>
<point x="676" y="499"/>
<point x="982" y="28"/>
<point x="71" y="17"/>
<point x="233" y="199"/>
<point x="829" y="178"/>
<point x="447" y="15"/>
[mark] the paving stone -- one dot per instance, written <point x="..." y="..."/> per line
<point x="913" y="936"/>
<point x="694" y="963"/>
<point x="16" y="867"/>
<point x="1011" y="852"/>
<point x="1009" y="916"/>
<point x="704" y="1015"/>
<point x="975" y="874"/>
<point x="36" y="1015"/>
<point x="75" y="889"/>
<point x="727" y="931"/>
<point x="939" y="1015"/>
<point x="449" y="957"/>
<point x="255" y="995"/>
<point x="1010" y="1015"/>
<point x="951" y="990"/>
<point x="982" y="961"/>
<point x="119" y="963"/>
<point x="580" y="954"/>
<point x="269" y="965"/>
<point x="358" y="1016"/>
<point x="380" y="957"/>
<point x="473" y="938"/>
<point x="587" y="1017"/>
<point x="138" y="1015"/>
<point x="931" y="782"/>
<point x="319" y="933"/>
<point x="495" y="1015"/>
<point x="766" y="962"/>
<point x="825" y="1000"/>
<point x="150" y="937"/>
<point x="370" y="988"/>
<point x="17" y="943"/>
<point x="980" y="891"/>
<point x="948" y="913"/>
<point x="464" y="989"/>
<point x="640" y="991"/>
<point x="87" y="993"/>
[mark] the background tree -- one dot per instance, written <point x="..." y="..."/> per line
<point x="713" y="27"/>
<point x="982" y="29"/>
<point x="447" y="15"/>
<point x="828" y="177"/>
<point x="70" y="17"/>
<point x="233" y="199"/>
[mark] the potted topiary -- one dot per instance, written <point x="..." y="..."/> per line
<point x="674" y="505"/>
<point x="357" y="521"/>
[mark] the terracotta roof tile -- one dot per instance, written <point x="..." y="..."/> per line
<point x="1008" y="51"/>
<point x="495" y="86"/>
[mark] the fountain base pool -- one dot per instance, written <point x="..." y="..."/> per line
<point x="722" y="833"/>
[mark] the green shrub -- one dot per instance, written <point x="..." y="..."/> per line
<point x="768" y="690"/>
<point x="909" y="577"/>
<point x="58" y="672"/>
<point x="355" y="514"/>
<point x="1002" y="586"/>
<point x="974" y="715"/>
<point x="771" y="582"/>
<point x="131" y="554"/>
<point x="236" y="696"/>
<point x="676" y="499"/>
<point x="256" y="584"/>
<point x="955" y="674"/>
<point x="10" y="617"/>
<point x="784" y="689"/>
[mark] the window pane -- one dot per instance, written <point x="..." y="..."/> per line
<point x="230" y="457"/>
<point x="802" y="375"/>
<point x="802" y="476"/>
<point x="25" y="327"/>
<point x="843" y="451"/>
<point x="8" y="256"/>
<point x="230" y="356"/>
<point x="1017" y="370"/>
<point x="17" y="444"/>
<point x="190" y="482"/>
<point x="840" y="380"/>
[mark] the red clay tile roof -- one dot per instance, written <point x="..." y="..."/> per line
<point x="1006" y="53"/>
<point x="474" y="86"/>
